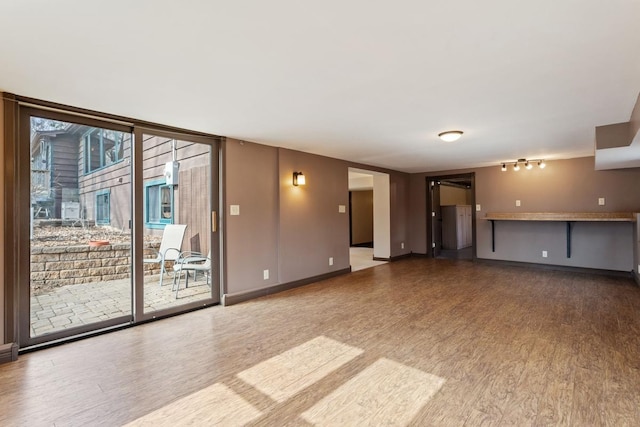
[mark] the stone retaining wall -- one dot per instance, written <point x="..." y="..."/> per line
<point x="56" y="266"/>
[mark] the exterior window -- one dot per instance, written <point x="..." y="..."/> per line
<point x="159" y="204"/>
<point x="103" y="147"/>
<point x="103" y="207"/>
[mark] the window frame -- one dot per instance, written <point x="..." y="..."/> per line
<point x="103" y="192"/>
<point x="86" y="144"/>
<point x="160" y="223"/>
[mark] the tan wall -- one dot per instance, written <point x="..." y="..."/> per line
<point x="564" y="186"/>
<point x="311" y="228"/>
<point x="361" y="217"/>
<point x="453" y="196"/>
<point x="2" y="244"/>
<point x="251" y="179"/>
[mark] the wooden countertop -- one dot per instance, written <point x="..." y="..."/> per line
<point x="563" y="216"/>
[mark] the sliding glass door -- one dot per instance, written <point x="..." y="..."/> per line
<point x="176" y="217"/>
<point x="118" y="224"/>
<point x="78" y="226"/>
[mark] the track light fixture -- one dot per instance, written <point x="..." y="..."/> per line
<point x="528" y="164"/>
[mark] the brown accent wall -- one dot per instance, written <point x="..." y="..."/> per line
<point x="400" y="231"/>
<point x="563" y="186"/>
<point x="361" y="217"/>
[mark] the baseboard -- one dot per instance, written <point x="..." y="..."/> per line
<point x="419" y="255"/>
<point x="8" y="352"/>
<point x="393" y="258"/>
<point x="567" y="268"/>
<point x="231" y="299"/>
<point x="362" y="245"/>
<point x="636" y="277"/>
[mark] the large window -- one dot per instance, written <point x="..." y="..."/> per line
<point x="159" y="204"/>
<point x="103" y="147"/>
<point x="103" y="207"/>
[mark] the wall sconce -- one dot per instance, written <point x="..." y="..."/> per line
<point x="298" y="179"/>
<point x="528" y="164"/>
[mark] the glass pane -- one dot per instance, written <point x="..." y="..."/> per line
<point x="177" y="233"/>
<point x="153" y="202"/>
<point x="80" y="264"/>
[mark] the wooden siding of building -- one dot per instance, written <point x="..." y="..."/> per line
<point x="191" y="195"/>
<point x="115" y="177"/>
<point x="63" y="169"/>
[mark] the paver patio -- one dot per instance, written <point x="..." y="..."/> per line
<point x="75" y="305"/>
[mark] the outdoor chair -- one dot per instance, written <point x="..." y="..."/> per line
<point x="170" y="247"/>
<point x="191" y="262"/>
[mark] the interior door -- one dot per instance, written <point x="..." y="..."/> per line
<point x="436" y="218"/>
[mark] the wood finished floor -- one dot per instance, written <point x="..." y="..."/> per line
<point x="515" y="346"/>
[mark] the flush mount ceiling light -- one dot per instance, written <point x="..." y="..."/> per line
<point x="528" y="164"/>
<point x="450" y="135"/>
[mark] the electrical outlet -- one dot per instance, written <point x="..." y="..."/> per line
<point x="544" y="254"/>
<point x="402" y="245"/>
<point x="601" y="201"/>
<point x="330" y="260"/>
<point x="265" y="274"/>
<point x="517" y="202"/>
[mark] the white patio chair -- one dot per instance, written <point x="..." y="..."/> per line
<point x="170" y="247"/>
<point x="191" y="262"/>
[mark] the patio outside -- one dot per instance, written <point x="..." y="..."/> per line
<point x="74" y="284"/>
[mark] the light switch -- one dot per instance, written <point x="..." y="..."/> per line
<point x="234" y="209"/>
<point x="601" y="201"/>
<point x="517" y="202"/>
<point x="342" y="209"/>
<point x="478" y="208"/>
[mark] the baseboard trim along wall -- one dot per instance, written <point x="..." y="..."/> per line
<point x="8" y="352"/>
<point x="393" y="258"/>
<point x="231" y="299"/>
<point x="584" y="270"/>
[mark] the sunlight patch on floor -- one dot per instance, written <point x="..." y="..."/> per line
<point x="283" y="376"/>
<point x="214" y="405"/>
<point x="385" y="393"/>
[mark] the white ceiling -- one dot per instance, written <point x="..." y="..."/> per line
<point x="369" y="81"/>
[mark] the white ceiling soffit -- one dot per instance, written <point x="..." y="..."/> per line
<point x="619" y="157"/>
<point x="618" y="145"/>
<point x="369" y="82"/>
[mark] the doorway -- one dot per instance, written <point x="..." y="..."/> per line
<point x="99" y="201"/>
<point x="369" y="218"/>
<point x="450" y="218"/>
